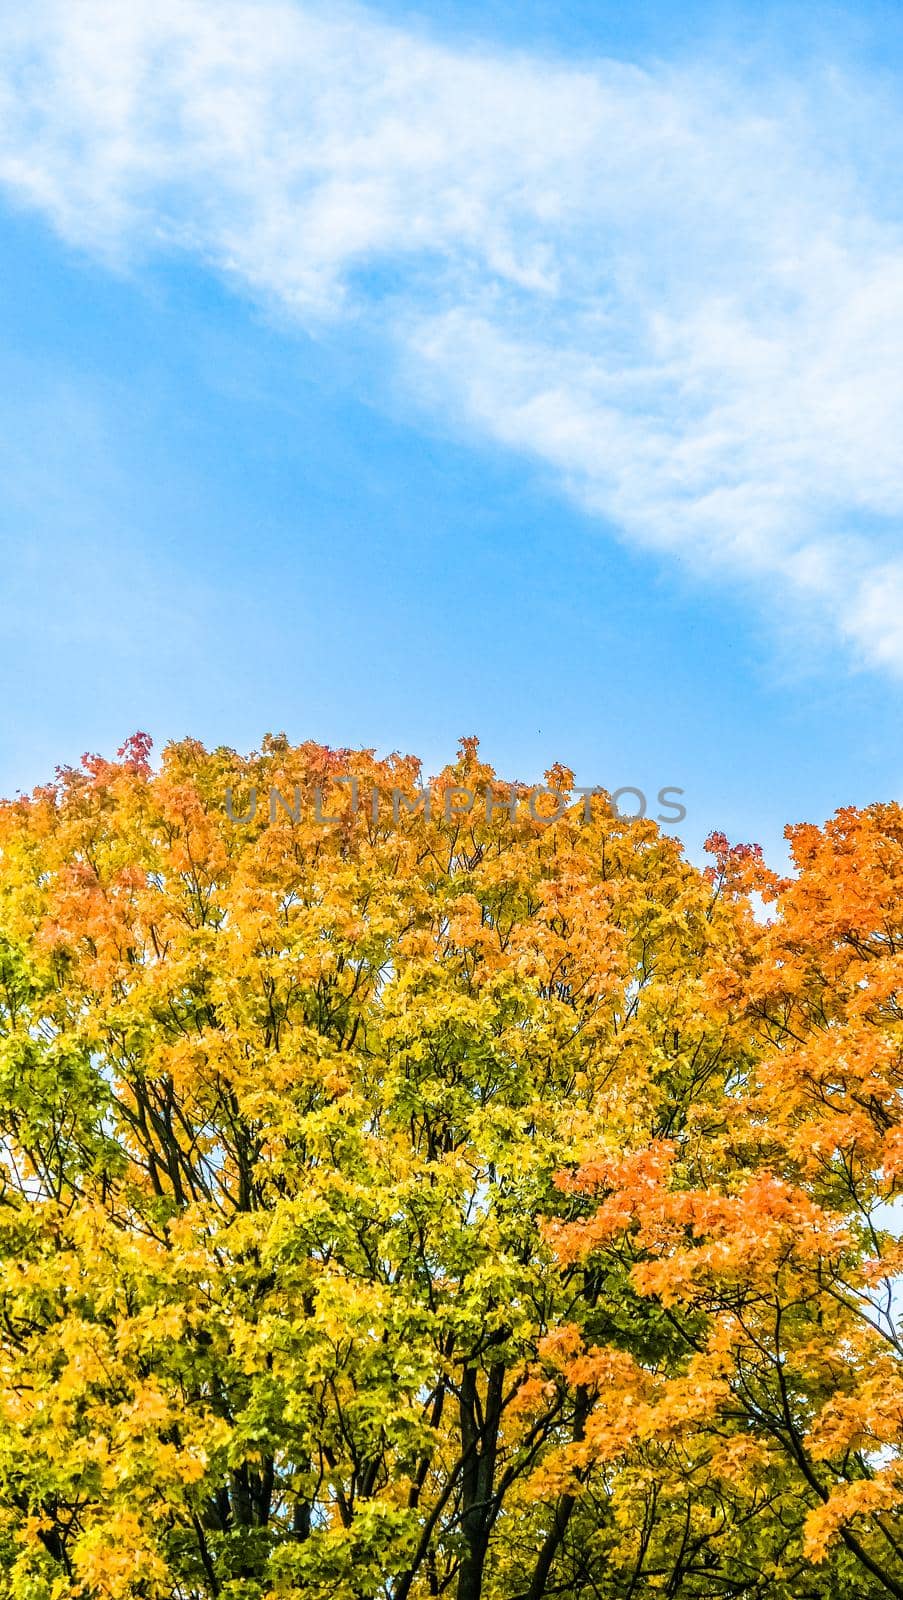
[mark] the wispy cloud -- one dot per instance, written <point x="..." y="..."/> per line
<point x="680" y="290"/>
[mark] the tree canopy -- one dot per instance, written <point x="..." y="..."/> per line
<point x="461" y="1204"/>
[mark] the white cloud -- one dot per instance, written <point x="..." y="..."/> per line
<point x="681" y="292"/>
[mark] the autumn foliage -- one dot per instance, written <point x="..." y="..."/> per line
<point x="406" y="1206"/>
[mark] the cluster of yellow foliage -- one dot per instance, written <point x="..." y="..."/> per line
<point x="421" y="1206"/>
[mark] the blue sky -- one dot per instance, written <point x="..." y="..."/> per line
<point x="384" y="375"/>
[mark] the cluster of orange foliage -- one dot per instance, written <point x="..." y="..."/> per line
<point x="422" y="1206"/>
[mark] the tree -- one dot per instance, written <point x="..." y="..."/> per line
<point x="460" y="1203"/>
<point x="768" y="1235"/>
